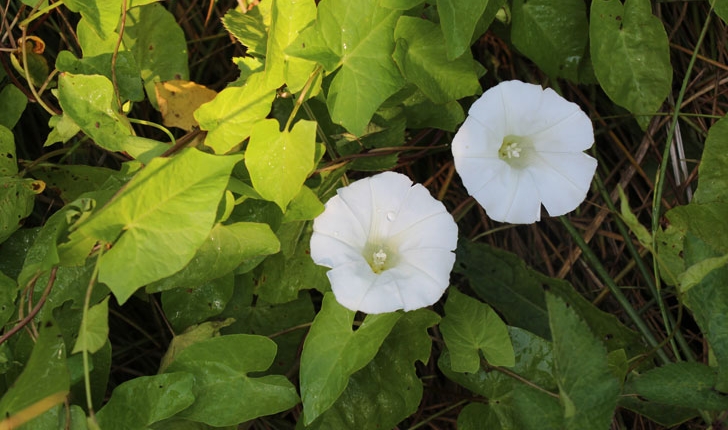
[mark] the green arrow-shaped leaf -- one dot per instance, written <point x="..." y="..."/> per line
<point x="221" y="367"/>
<point x="90" y="102"/>
<point x="225" y="248"/>
<point x="170" y="204"/>
<point x="587" y="388"/>
<point x="631" y="55"/>
<point x="288" y="19"/>
<point x="420" y="55"/>
<point x="145" y="400"/>
<point x="94" y="328"/>
<point x="230" y="116"/>
<point x="357" y="36"/>
<point x="551" y="33"/>
<point x="279" y="162"/>
<point x="47" y="361"/>
<point x="471" y="326"/>
<point x="333" y="352"/>
<point x="713" y="169"/>
<point x="458" y="20"/>
<point x="387" y="390"/>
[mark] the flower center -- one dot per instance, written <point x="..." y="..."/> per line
<point x="379" y="259"/>
<point x="513" y="150"/>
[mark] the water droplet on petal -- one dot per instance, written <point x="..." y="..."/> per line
<point x="391" y="216"/>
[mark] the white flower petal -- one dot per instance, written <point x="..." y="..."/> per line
<point x="338" y="221"/>
<point x="511" y="197"/>
<point x="521" y="107"/>
<point x="437" y="231"/>
<point x="416" y="288"/>
<point x="473" y="139"/>
<point x="331" y="252"/>
<point x="357" y="197"/>
<point x="351" y="283"/>
<point x="574" y="133"/>
<point x="564" y="180"/>
<point x="477" y="172"/>
<point x="435" y="262"/>
<point x="389" y="190"/>
<point x="488" y="111"/>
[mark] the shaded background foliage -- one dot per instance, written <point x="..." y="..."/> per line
<point x="629" y="147"/>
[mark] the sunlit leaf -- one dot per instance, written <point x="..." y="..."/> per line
<point x="101" y="15"/>
<point x="170" y="204"/>
<point x="221" y="367"/>
<point x="288" y="18"/>
<point x="89" y="101"/>
<point x="230" y="116"/>
<point x="226" y="247"/>
<point x="458" y="21"/>
<point x="420" y="54"/>
<point x="158" y="44"/>
<point x="249" y="28"/>
<point x="358" y="37"/>
<point x="96" y="331"/>
<point x="631" y="56"/>
<point x="333" y="352"/>
<point x="470" y="326"/>
<point x="279" y="162"/>
<point x="97" y="59"/>
<point x="305" y="206"/>
<point x="63" y="128"/>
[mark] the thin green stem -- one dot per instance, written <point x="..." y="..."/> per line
<point x="39" y="13"/>
<point x="157" y="126"/>
<point x="660" y="183"/>
<point x="646" y="273"/>
<point x="83" y="335"/>
<point x="442" y="412"/>
<point x="302" y="96"/>
<point x="597" y="266"/>
<point x="28" y="77"/>
<point x="115" y="55"/>
<point x="523" y="380"/>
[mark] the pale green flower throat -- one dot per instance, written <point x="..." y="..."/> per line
<point x="514" y="150"/>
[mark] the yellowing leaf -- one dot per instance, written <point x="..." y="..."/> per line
<point x="179" y="99"/>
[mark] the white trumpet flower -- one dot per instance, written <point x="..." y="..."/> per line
<point x="522" y="146"/>
<point x="388" y="243"/>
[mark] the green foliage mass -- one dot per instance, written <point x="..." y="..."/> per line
<point x="109" y="208"/>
